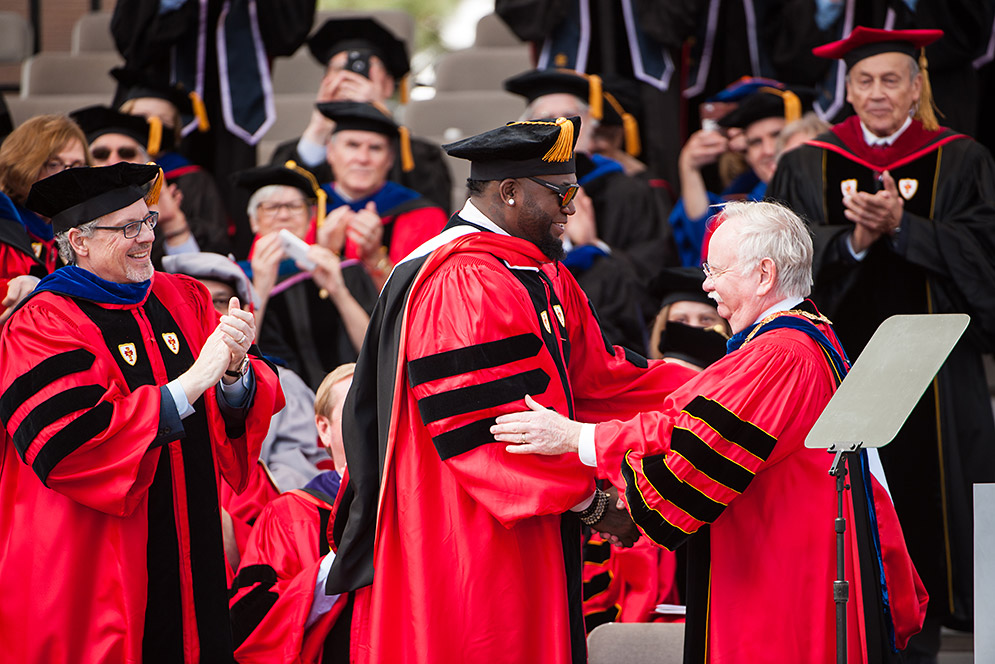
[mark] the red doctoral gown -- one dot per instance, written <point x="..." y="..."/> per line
<point x="109" y="521"/>
<point x="470" y="563"/>
<point x="727" y="449"/>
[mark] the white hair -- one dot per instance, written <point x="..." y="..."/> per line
<point x="261" y="195"/>
<point x="772" y="230"/>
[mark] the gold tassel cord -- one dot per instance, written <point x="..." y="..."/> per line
<point x="792" y="104"/>
<point x="320" y="196"/>
<point x="631" y="129"/>
<point x="200" y="112"/>
<point x="152" y="197"/>
<point x="927" y="110"/>
<point x="563" y="147"/>
<point x="595" y="96"/>
<point x="404" y="92"/>
<point x="154" y="144"/>
<point x="407" y="159"/>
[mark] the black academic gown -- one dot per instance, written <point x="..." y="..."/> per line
<point x="430" y="176"/>
<point x="305" y="331"/>
<point x="941" y="261"/>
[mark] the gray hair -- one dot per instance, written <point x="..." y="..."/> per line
<point x="261" y="195"/>
<point x="66" y="251"/>
<point x="772" y="230"/>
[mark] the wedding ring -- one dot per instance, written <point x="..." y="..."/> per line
<point x="523" y="438"/>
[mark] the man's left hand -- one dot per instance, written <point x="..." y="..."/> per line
<point x="537" y="431"/>
<point x="880" y="212"/>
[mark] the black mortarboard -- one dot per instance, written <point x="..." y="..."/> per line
<point x="586" y="87"/>
<point x="679" y="284"/>
<point x="765" y="102"/>
<point x="697" y="345"/>
<point x="289" y="175"/>
<point x="343" y="34"/>
<point x="76" y="196"/>
<point x="95" y="121"/>
<point x="357" y="116"/>
<point x="135" y="84"/>
<point x="204" y="265"/>
<point x="520" y="149"/>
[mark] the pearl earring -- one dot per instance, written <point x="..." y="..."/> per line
<point x="511" y="201"/>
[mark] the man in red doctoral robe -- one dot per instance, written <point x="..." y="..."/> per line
<point x="474" y="553"/>
<point x="125" y="399"/>
<point x="722" y="464"/>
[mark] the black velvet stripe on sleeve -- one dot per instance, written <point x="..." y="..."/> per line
<point x="251" y="608"/>
<point x="473" y="358"/>
<point x="596" y="585"/>
<point x="84" y="428"/>
<point x="43" y="374"/>
<point x="52" y="410"/>
<point x="680" y="493"/>
<point x="708" y="461"/>
<point x="457" y="441"/>
<point x="652" y="523"/>
<point x="749" y="436"/>
<point x="479" y="397"/>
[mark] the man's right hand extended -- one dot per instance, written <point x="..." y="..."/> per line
<point x="616" y="523"/>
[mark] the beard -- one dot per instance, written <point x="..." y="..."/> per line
<point x="538" y="231"/>
<point x="137" y="274"/>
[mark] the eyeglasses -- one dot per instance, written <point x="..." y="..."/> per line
<point x="134" y="228"/>
<point x="567" y="192"/>
<point x="124" y="153"/>
<point x="714" y="273"/>
<point x="272" y="209"/>
<point x="54" y="166"/>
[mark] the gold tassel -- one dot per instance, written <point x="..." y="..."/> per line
<point x="595" y="96"/>
<point x="563" y="147"/>
<point x="155" y="135"/>
<point x="631" y="129"/>
<point x="792" y="104"/>
<point x="320" y="196"/>
<point x="407" y="159"/>
<point x="200" y="112"/>
<point x="152" y="197"/>
<point x="927" y="110"/>
<point x="404" y="92"/>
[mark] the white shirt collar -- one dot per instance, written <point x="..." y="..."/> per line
<point x="786" y="304"/>
<point x="474" y="216"/>
<point x="873" y="140"/>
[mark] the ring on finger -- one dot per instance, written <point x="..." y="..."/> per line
<point x="523" y="438"/>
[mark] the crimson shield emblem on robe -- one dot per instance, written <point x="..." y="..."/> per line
<point x="128" y="352"/>
<point x="849" y="187"/>
<point x="172" y="342"/>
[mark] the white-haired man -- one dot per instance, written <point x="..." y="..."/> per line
<point x="903" y="212"/>
<point x="723" y="466"/>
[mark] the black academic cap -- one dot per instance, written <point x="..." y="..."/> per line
<point x="359" y="116"/>
<point x="520" y="149"/>
<point x="135" y="84"/>
<point x="342" y="34"/>
<point x="699" y="346"/>
<point x="586" y="87"/>
<point x="765" y="102"/>
<point x="289" y="174"/>
<point x="679" y="284"/>
<point x="76" y="196"/>
<point x="95" y="121"/>
<point x="204" y="265"/>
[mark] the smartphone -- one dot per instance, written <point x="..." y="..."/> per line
<point x="711" y="111"/>
<point x="296" y="248"/>
<point x="358" y="61"/>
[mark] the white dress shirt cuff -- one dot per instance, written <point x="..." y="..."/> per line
<point x="322" y="603"/>
<point x="183" y="407"/>
<point x="857" y="255"/>
<point x="585" y="446"/>
<point x="311" y="153"/>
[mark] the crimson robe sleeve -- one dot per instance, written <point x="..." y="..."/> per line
<point x="274" y="587"/>
<point x="81" y="433"/>
<point x="682" y="466"/>
<point x="473" y="325"/>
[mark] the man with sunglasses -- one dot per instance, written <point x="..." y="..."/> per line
<point x="125" y="399"/>
<point x="483" y="546"/>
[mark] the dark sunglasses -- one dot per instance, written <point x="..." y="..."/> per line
<point x="566" y="192"/>
<point x="103" y="154"/>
